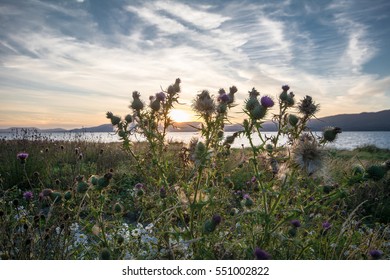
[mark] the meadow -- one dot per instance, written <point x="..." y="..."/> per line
<point x="200" y="200"/>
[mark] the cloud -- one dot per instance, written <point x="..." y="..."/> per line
<point x="66" y="59"/>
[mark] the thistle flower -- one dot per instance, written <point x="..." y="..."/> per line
<point x="267" y="101"/>
<point x="307" y="106"/>
<point x="293" y="119"/>
<point x="285" y="88"/>
<point x="160" y="96"/>
<point x="28" y="195"/>
<point x="128" y="118"/>
<point x="296" y="223"/>
<point x="308" y="154"/>
<point x="163" y="192"/>
<point x="261" y="254"/>
<point x="326" y="225"/>
<point x="223" y="98"/>
<point x="232" y="91"/>
<point x="330" y="133"/>
<point x="204" y="104"/>
<point x="375" y="254"/>
<point x="253" y="93"/>
<point x="22" y="157"/>
<point x="217" y="219"/>
<point x="155" y="105"/>
<point x="137" y="103"/>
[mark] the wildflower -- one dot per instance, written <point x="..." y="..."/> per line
<point x="308" y="154"/>
<point x="296" y="223"/>
<point x="247" y="200"/>
<point x="128" y="119"/>
<point x="330" y="133"/>
<point x="258" y="112"/>
<point x="22" y="157"/>
<point x="160" y="96"/>
<point x="376" y="254"/>
<point x="217" y="219"/>
<point x="74" y="227"/>
<point x="267" y="101"/>
<point x="204" y="104"/>
<point x="285" y="88"/>
<point x="261" y="254"/>
<point x="137" y="103"/>
<point x="307" y="106"/>
<point x="326" y="225"/>
<point x="47" y="192"/>
<point x="253" y="93"/>
<point x="155" y="105"/>
<point x="136" y="232"/>
<point x="28" y="195"/>
<point x="163" y="192"/>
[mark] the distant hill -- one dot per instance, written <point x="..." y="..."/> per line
<point x="378" y="121"/>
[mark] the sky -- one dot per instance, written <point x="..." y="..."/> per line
<point x="66" y="63"/>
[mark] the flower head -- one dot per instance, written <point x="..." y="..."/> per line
<point x="22" y="157"/>
<point x="28" y="195"/>
<point x="261" y="254"/>
<point x="217" y="219"/>
<point x="267" y="101"/>
<point x="376" y="254"/>
<point x="285" y="88"/>
<point x="296" y="223"/>
<point x="308" y="154"/>
<point x="160" y="96"/>
<point x="204" y="104"/>
<point x="307" y="106"/>
<point x="326" y="225"/>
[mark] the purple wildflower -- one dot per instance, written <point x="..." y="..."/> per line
<point x="261" y="254"/>
<point x="267" y="101"/>
<point x="375" y="254"/>
<point x="217" y="219"/>
<point x="296" y="223"/>
<point x="253" y="180"/>
<point x="224" y="98"/>
<point x="160" y="96"/>
<point x="326" y="225"/>
<point x="22" y="157"/>
<point x="246" y="196"/>
<point x="285" y="88"/>
<point x="28" y="195"/>
<point x="139" y="186"/>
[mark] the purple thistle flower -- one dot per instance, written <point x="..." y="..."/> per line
<point x="296" y="223"/>
<point x="326" y="225"/>
<point x="217" y="219"/>
<point x="160" y="96"/>
<point x="267" y="101"/>
<point x="246" y="196"/>
<point x="253" y="180"/>
<point x="139" y="186"/>
<point x="375" y="254"/>
<point x="224" y="98"/>
<point x="28" y="195"/>
<point x="285" y="88"/>
<point x="261" y="254"/>
<point x="22" y="157"/>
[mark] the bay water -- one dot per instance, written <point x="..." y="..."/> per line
<point x="347" y="140"/>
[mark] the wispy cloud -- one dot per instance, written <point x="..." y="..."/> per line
<point x="61" y="58"/>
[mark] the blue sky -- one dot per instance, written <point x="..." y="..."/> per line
<point x="65" y="63"/>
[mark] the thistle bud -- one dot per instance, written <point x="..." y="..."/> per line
<point x="82" y="187"/>
<point x="330" y="133"/>
<point x="258" y="112"/>
<point x="293" y="119"/>
<point x="155" y="105"/>
<point x="251" y="103"/>
<point x="128" y="118"/>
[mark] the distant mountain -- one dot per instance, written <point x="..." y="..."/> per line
<point x="100" y="128"/>
<point x="378" y="121"/>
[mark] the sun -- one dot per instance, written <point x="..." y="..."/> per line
<point x="179" y="115"/>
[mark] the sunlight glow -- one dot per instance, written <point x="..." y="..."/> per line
<point x="179" y="115"/>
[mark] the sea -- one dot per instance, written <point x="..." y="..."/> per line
<point x="347" y="140"/>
